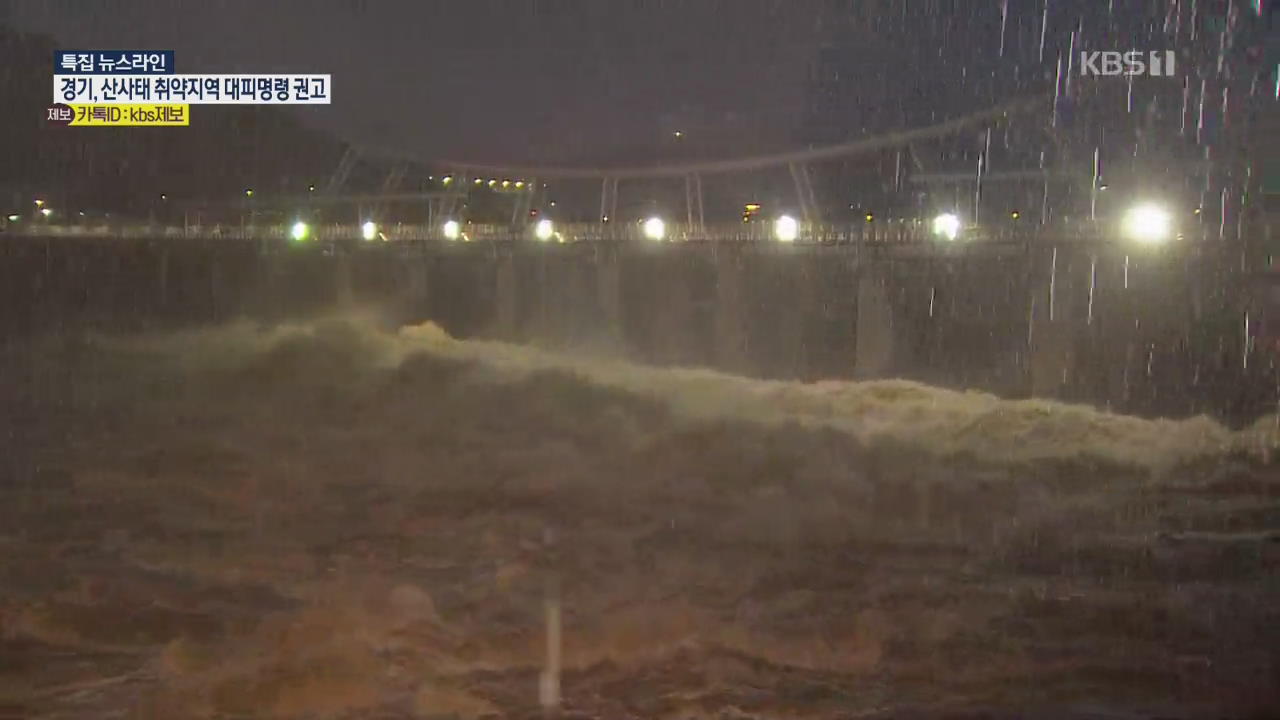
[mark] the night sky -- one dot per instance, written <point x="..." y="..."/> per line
<point x="490" y="80"/>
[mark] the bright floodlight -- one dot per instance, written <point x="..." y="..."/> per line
<point x="369" y="230"/>
<point x="543" y="230"/>
<point x="452" y="229"/>
<point x="300" y="231"/>
<point x="1147" y="223"/>
<point x="655" y="229"/>
<point x="786" y="228"/>
<point x="946" y="225"/>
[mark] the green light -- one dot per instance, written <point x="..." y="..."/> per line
<point x="300" y="231"/>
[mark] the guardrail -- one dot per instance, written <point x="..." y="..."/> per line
<point x="891" y="231"/>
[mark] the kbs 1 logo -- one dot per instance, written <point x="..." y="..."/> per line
<point x="1154" y="63"/>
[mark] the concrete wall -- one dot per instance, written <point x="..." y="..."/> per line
<point x="1156" y="333"/>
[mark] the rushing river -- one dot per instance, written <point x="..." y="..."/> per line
<point x="336" y="519"/>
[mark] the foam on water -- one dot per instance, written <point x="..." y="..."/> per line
<point x="911" y="415"/>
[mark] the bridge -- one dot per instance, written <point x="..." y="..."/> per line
<point x="1040" y="305"/>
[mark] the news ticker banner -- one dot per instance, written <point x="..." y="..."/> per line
<point x="120" y="115"/>
<point x="143" y="88"/>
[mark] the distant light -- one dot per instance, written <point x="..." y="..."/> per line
<point x="519" y="184"/>
<point x="452" y="229"/>
<point x="311" y="188"/>
<point x="369" y="230"/>
<point x="163" y="196"/>
<point x="1102" y="187"/>
<point x="81" y="213"/>
<point x="752" y="207"/>
<point x="678" y="134"/>
<point x="1147" y="223"/>
<point x="478" y="181"/>
<point x="870" y="217"/>
<point x="506" y="183"/>
<point x="946" y="225"/>
<point x="786" y="229"/>
<point x="544" y="230"/>
<point x="654" y="228"/>
<point x="46" y="212"/>
<point x="1015" y="214"/>
<point x="492" y="182"/>
<point x="446" y="179"/>
<point x="604" y="219"/>
<point x="39" y="202"/>
<point x="248" y="192"/>
<point x="299" y="231"/>
<point x="552" y="203"/>
<point x="14" y="218"/>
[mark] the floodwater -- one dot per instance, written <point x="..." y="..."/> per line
<point x="337" y="519"/>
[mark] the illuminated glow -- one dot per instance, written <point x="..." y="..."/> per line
<point x="654" y="228"/>
<point x="46" y="212"/>
<point x="299" y="231"/>
<point x="1015" y="214"/>
<point x="543" y="230"/>
<point x="870" y="217"/>
<point x="786" y="229"/>
<point x="492" y="182"/>
<point x="39" y="202"/>
<point x="946" y="225"/>
<point x="752" y="207"/>
<point x="446" y="179"/>
<point x="519" y="184"/>
<point x="452" y="229"/>
<point x="248" y="192"/>
<point x="163" y="196"/>
<point x="1147" y="223"/>
<point x="13" y="218"/>
<point x="310" y="188"/>
<point x="506" y="183"/>
<point x="478" y="181"/>
<point x="369" y="230"/>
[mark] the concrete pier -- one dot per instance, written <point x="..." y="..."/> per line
<point x="1102" y="325"/>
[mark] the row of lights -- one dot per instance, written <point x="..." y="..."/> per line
<point x="369" y="231"/>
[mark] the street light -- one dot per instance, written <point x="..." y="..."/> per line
<point x="786" y="229"/>
<point x="655" y="229"/>
<point x="299" y="231"/>
<point x="39" y="202"/>
<point x="1147" y="223"/>
<point x="46" y="212"/>
<point x="946" y="225"/>
<point x="248" y="192"/>
<point x="543" y="230"/>
<point x="452" y="229"/>
<point x="369" y="230"/>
